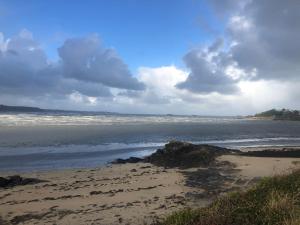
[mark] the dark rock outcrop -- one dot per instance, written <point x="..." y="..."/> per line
<point x="129" y="160"/>
<point x="6" y="108"/>
<point x="186" y="155"/>
<point x="181" y="154"/>
<point x="285" y="152"/>
<point x="17" y="180"/>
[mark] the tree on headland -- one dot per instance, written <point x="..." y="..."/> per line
<point x="283" y="114"/>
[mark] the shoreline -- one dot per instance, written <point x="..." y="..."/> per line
<point x="137" y="193"/>
<point x="10" y="172"/>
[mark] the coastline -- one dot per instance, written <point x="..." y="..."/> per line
<point x="135" y="194"/>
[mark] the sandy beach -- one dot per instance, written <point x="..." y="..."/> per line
<point x="140" y="112"/>
<point x="130" y="193"/>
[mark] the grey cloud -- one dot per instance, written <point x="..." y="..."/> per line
<point x="24" y="49"/>
<point x="266" y="36"/>
<point x="147" y="97"/>
<point x="152" y="97"/>
<point x="84" y="59"/>
<point x="25" y="70"/>
<point x="216" y="45"/>
<point x="131" y="94"/>
<point x="88" y="89"/>
<point x="271" y="43"/>
<point x="206" y="77"/>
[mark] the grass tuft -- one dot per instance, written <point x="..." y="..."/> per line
<point x="274" y="201"/>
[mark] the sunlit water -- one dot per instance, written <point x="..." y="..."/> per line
<point x="47" y="141"/>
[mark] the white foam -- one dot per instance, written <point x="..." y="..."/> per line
<point x="144" y="147"/>
<point x="77" y="119"/>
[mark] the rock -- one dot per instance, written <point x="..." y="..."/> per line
<point x="17" y="180"/>
<point x="129" y="160"/>
<point x="3" y="182"/>
<point x="284" y="152"/>
<point x="182" y="155"/>
<point x="186" y="155"/>
<point x="133" y="170"/>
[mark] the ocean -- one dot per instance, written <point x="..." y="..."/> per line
<point x="62" y="140"/>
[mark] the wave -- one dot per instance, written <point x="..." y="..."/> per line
<point x="86" y="156"/>
<point x="91" y="119"/>
<point x="146" y="146"/>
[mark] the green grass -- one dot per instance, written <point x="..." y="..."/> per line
<point x="274" y="201"/>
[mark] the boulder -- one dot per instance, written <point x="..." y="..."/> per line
<point x="129" y="160"/>
<point x="181" y="154"/>
<point x="17" y="180"/>
<point x="186" y="155"/>
<point x="284" y="152"/>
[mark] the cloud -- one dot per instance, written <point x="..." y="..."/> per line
<point x="84" y="59"/>
<point x="85" y="68"/>
<point x="160" y="84"/>
<point x="261" y="44"/>
<point x="24" y="68"/>
<point x="253" y="66"/>
<point x="207" y="72"/>
<point x="266" y="34"/>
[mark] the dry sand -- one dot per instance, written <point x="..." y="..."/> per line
<point x="121" y="194"/>
<point x="132" y="194"/>
<point x="252" y="167"/>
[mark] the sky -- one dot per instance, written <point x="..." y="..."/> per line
<point x="204" y="57"/>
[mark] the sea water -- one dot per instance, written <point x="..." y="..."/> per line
<point x="57" y="140"/>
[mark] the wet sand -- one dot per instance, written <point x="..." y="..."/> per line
<point x="130" y="193"/>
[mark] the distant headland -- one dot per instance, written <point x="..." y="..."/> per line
<point x="6" y="108"/>
<point x="283" y="114"/>
<point x="28" y="109"/>
<point x="273" y="114"/>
